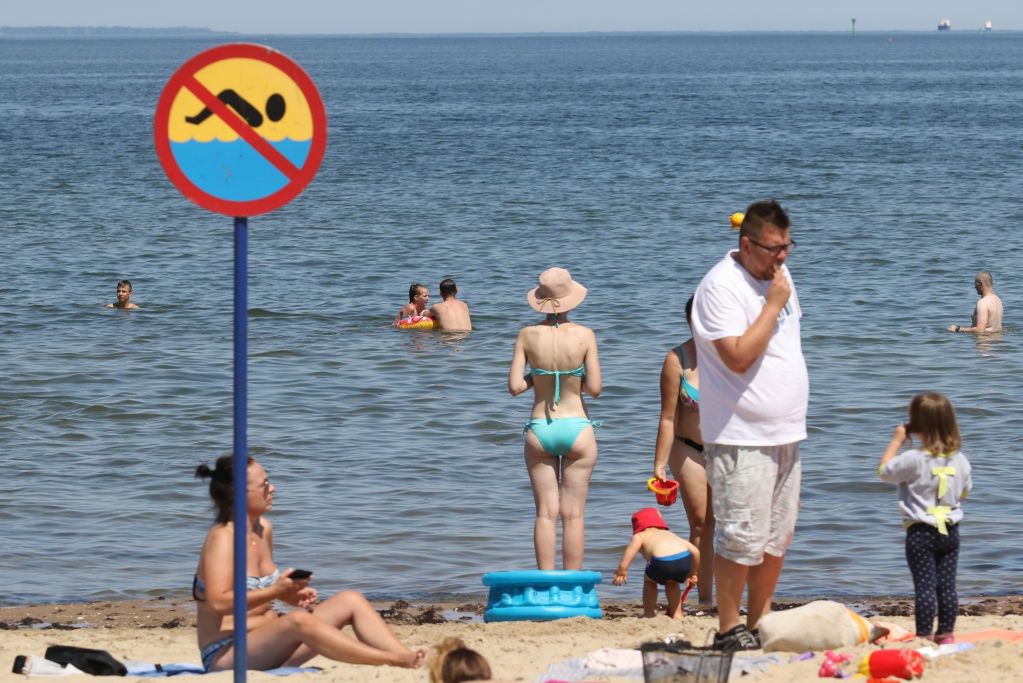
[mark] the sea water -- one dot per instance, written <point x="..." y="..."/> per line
<point x="397" y="456"/>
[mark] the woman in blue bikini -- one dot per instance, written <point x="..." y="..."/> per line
<point x="680" y="446"/>
<point x="276" y="640"/>
<point x="560" y="448"/>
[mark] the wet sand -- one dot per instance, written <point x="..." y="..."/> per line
<point x="162" y="631"/>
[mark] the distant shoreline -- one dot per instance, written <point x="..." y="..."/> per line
<point x="186" y="31"/>
<point x="105" y="32"/>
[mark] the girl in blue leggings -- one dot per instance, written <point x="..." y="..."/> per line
<point x="933" y="480"/>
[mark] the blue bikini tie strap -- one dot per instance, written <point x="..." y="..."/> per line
<point x="557" y="381"/>
<point x="578" y="372"/>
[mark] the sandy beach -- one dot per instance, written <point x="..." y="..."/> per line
<point x="162" y="631"/>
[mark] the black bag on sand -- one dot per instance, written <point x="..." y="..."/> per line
<point x="95" y="662"/>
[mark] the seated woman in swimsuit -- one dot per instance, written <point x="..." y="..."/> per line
<point x="680" y="446"/>
<point x="560" y="448"/>
<point x="276" y="640"/>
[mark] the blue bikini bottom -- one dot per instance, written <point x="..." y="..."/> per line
<point x="210" y="651"/>
<point x="557" y="435"/>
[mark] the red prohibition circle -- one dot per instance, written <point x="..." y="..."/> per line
<point x="184" y="78"/>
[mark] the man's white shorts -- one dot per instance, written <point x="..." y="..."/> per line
<point x="756" y="499"/>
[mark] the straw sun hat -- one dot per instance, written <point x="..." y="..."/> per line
<point x="557" y="292"/>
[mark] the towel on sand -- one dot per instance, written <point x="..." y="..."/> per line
<point x="898" y="634"/>
<point x="988" y="634"/>
<point x="147" y="670"/>
<point x="629" y="664"/>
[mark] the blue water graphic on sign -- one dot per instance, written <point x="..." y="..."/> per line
<point x="234" y="170"/>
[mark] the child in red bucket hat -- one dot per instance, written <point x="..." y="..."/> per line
<point x="671" y="561"/>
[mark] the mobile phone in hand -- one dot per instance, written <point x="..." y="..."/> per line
<point x="298" y="574"/>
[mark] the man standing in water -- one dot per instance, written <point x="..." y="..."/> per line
<point x="450" y="314"/>
<point x="754" y="390"/>
<point x="987" y="315"/>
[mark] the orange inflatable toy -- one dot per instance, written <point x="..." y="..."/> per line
<point x="417" y="322"/>
<point x="902" y="663"/>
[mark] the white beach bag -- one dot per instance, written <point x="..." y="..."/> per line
<point x="818" y="625"/>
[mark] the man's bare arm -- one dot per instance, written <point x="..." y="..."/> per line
<point x="740" y="353"/>
<point x="982" y="315"/>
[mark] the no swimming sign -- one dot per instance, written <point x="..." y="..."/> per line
<point x="240" y="129"/>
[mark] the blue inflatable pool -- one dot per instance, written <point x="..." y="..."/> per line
<point x="536" y="595"/>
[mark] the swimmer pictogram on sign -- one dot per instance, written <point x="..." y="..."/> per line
<point x="240" y="129"/>
<point x="275" y="108"/>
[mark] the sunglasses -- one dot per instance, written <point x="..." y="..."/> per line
<point x="775" y="250"/>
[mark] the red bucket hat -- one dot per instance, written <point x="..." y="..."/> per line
<point x="648" y="518"/>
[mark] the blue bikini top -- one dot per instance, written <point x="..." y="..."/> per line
<point x="251" y="583"/>
<point x="689" y="394"/>
<point x="578" y="372"/>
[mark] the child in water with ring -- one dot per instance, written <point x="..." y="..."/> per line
<point x="671" y="561"/>
<point x="933" y="478"/>
<point x="418" y="300"/>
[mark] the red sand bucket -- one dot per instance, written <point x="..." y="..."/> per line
<point x="666" y="490"/>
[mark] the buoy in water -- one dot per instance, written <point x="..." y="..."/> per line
<point x="736" y="219"/>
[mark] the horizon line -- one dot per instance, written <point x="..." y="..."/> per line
<point x="201" y="29"/>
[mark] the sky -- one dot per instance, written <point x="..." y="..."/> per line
<point x="516" y="16"/>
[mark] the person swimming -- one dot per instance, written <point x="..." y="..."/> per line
<point x="560" y="449"/>
<point x="124" y="292"/>
<point x="275" y="109"/>
<point x="418" y="299"/>
<point x="451" y="313"/>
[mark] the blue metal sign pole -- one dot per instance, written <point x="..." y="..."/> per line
<point x="241" y="460"/>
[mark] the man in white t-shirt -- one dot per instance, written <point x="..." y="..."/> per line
<point x="753" y="399"/>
